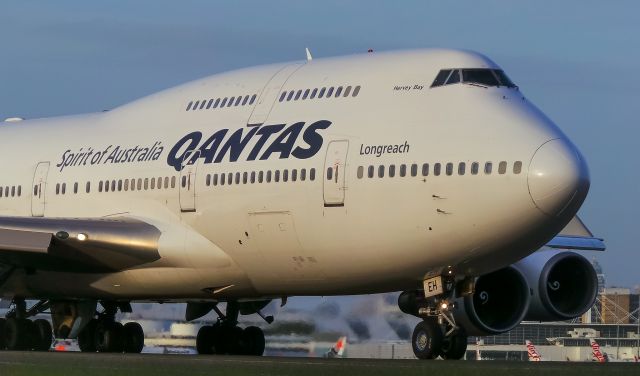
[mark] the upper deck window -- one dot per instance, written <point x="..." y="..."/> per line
<point x="473" y="76"/>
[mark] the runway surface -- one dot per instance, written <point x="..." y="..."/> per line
<point x="71" y="364"/>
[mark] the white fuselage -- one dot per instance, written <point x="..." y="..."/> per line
<point x="343" y="234"/>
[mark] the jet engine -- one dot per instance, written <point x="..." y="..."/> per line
<point x="499" y="302"/>
<point x="563" y="284"/>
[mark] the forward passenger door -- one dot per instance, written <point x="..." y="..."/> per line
<point x="334" y="179"/>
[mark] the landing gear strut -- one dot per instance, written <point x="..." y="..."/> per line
<point x="225" y="337"/>
<point x="18" y="332"/>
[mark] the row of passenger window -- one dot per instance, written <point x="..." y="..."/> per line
<point x="405" y="170"/>
<point x="221" y="102"/>
<point x="121" y="185"/>
<point x="260" y="177"/>
<point x="13" y="191"/>
<point x="324" y="92"/>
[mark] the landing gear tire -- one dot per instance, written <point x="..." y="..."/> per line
<point x="253" y="340"/>
<point x="427" y="339"/>
<point x="133" y="338"/>
<point x="18" y="334"/>
<point x="3" y="321"/>
<point x="109" y="337"/>
<point x="43" y="335"/>
<point x="455" y="346"/>
<point x="87" y="337"/>
<point x="204" y="340"/>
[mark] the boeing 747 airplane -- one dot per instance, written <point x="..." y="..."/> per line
<point x="422" y="171"/>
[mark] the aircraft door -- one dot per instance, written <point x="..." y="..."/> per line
<point x="335" y="173"/>
<point x="187" y="182"/>
<point x="39" y="190"/>
<point x="270" y="93"/>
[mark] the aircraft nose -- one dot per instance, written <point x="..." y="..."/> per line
<point x="558" y="177"/>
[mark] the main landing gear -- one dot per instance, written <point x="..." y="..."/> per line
<point x="18" y="332"/>
<point x="225" y="337"/>
<point x="105" y="334"/>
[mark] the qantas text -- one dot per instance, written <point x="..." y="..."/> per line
<point x="221" y="146"/>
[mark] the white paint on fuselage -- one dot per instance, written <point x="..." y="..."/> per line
<point x="387" y="236"/>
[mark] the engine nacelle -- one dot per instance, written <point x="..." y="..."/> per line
<point x="564" y="284"/>
<point x="499" y="302"/>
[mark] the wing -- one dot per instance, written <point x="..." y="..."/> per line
<point x="577" y="236"/>
<point x="92" y="245"/>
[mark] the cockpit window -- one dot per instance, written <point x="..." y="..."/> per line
<point x="473" y="76"/>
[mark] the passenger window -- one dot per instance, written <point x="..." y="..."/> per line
<point x="347" y="91"/>
<point x="381" y="171"/>
<point x="487" y="168"/>
<point x="217" y="102"/>
<point x="330" y="92"/>
<point x="237" y="178"/>
<point x="414" y="169"/>
<point x="245" y="100"/>
<point x="392" y="171"/>
<point x="321" y="94"/>
<point x="245" y="177"/>
<point x="371" y="171"/>
<point x="204" y="102"/>
<point x="189" y="106"/>
<point x="290" y="95"/>
<point x="356" y="91"/>
<point x="474" y="168"/>
<point x="449" y="168"/>
<point x="88" y="187"/>
<point x="276" y="176"/>
<point x="425" y="169"/>
<point x="260" y="176"/>
<point x="224" y="101"/>
<point x="153" y="182"/>
<point x="222" y="178"/>
<point x="208" y="180"/>
<point x="285" y="176"/>
<point x="253" y="177"/>
<point x="403" y="170"/>
<point x="35" y="191"/>
<point x="215" y="179"/>
<point x="195" y="105"/>
<point x="231" y="101"/>
<point x="253" y="99"/>
<point x="113" y="185"/>
<point x="13" y="189"/>
<point x="75" y="189"/>
<point x="338" y="91"/>
<point x="230" y="178"/>
<point x="173" y="182"/>
<point x="461" y="168"/>
<point x="99" y="186"/>
<point x="133" y="184"/>
<point x="306" y="94"/>
<point x="20" y="190"/>
<point x="126" y="184"/>
<point x="517" y="167"/>
<point x="312" y="174"/>
<point x="238" y="101"/>
<point x="502" y="167"/>
<point x="298" y="94"/>
<point x="360" y="172"/>
<point x="139" y="184"/>
<point x="294" y="175"/>
<point x="120" y="185"/>
<point x="436" y="169"/>
<point x="209" y="103"/>
<point x="166" y="182"/>
<point x="329" y="173"/>
<point x="313" y="93"/>
<point x="57" y="189"/>
<point x="268" y="180"/>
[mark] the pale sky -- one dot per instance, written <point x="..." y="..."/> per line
<point x="576" y="60"/>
